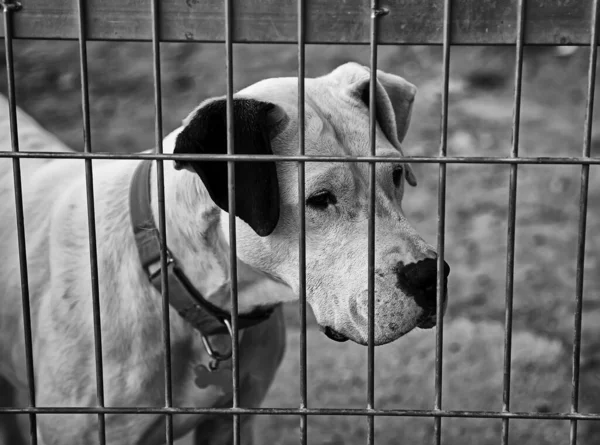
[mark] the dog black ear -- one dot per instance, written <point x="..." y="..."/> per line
<point x="257" y="188"/>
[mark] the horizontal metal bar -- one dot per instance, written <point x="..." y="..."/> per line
<point x="319" y="43"/>
<point x="257" y="21"/>
<point x="302" y="411"/>
<point x="575" y="160"/>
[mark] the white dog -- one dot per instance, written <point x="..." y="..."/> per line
<point x="56" y="226"/>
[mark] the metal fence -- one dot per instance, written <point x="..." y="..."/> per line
<point x="431" y="22"/>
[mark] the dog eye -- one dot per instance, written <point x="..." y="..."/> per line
<point x="397" y="175"/>
<point x="321" y="200"/>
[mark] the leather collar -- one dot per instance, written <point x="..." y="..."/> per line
<point x="204" y="316"/>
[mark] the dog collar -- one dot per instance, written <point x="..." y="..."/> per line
<point x="204" y="316"/>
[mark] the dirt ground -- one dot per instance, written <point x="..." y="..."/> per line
<point x="481" y="100"/>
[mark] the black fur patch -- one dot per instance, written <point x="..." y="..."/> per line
<point x="257" y="189"/>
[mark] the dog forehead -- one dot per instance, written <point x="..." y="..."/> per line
<point x="336" y="121"/>
<point x="322" y="97"/>
<point x="285" y="89"/>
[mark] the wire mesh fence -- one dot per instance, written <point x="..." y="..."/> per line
<point x="450" y="26"/>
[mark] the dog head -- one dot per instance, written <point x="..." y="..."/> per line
<point x="337" y="197"/>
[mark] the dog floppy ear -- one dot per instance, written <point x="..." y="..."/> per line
<point x="402" y="95"/>
<point x="395" y="97"/>
<point x="255" y="124"/>
<point x="396" y="93"/>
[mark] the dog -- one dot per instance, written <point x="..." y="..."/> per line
<point x="197" y="238"/>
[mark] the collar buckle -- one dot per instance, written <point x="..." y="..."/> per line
<point x="216" y="356"/>
<point x="157" y="272"/>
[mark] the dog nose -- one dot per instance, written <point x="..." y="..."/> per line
<point x="420" y="280"/>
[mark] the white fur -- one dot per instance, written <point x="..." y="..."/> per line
<point x="197" y="233"/>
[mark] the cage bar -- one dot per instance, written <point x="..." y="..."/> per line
<point x="441" y="227"/>
<point x="309" y="15"/>
<point x="512" y="210"/>
<point x="583" y="203"/>
<point x="232" y="232"/>
<point x="162" y="225"/>
<point x="208" y="157"/>
<point x="91" y="215"/>
<point x="375" y="13"/>
<point x="355" y="412"/>
<point x="8" y="9"/>
<point x="302" y="219"/>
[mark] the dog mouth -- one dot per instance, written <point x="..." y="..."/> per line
<point x="428" y="319"/>
<point x="334" y="335"/>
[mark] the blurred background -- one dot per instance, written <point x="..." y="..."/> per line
<point x="481" y="107"/>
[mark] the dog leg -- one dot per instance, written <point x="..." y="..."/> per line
<point x="10" y="433"/>
<point x="218" y="430"/>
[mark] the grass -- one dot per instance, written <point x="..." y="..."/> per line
<point x="404" y="379"/>
<point x="481" y="98"/>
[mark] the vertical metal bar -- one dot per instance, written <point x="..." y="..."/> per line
<point x="160" y="173"/>
<point x="232" y="232"/>
<point x="302" y="220"/>
<point x="9" y="8"/>
<point x="512" y="209"/>
<point x="375" y="14"/>
<point x="441" y="227"/>
<point x="89" y="185"/>
<point x="583" y="203"/>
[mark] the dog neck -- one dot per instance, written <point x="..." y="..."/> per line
<point x="197" y="237"/>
